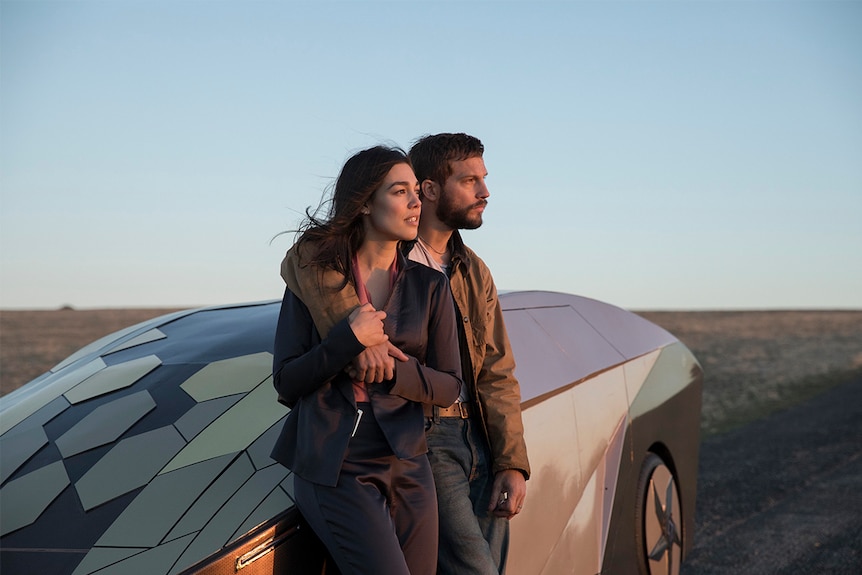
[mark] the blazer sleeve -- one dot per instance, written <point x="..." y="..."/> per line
<point x="302" y="362"/>
<point x="438" y="381"/>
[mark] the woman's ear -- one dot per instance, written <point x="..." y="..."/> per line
<point x="365" y="210"/>
<point x="430" y="190"/>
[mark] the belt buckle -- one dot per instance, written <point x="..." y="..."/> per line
<point x="462" y="411"/>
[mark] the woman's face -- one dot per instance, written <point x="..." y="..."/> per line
<point x="394" y="208"/>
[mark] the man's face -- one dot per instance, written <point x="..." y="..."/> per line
<point x="464" y="195"/>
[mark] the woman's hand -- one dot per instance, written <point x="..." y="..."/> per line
<point x="367" y="325"/>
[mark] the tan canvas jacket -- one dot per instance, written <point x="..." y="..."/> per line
<point x="493" y="365"/>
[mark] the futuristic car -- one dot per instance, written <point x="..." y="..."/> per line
<point x="147" y="452"/>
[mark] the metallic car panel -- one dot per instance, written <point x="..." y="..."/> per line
<point x="664" y="379"/>
<point x="19" y="446"/>
<point x="601" y="407"/>
<point x="201" y="415"/>
<point x="24" y="499"/>
<point x="629" y="334"/>
<point x="234" y="430"/>
<point x="544" y="367"/>
<point x="587" y="422"/>
<point x="219" y="531"/>
<point x="214" y="496"/>
<point x="149" y="518"/>
<point x="156" y="560"/>
<point x="146" y="337"/>
<point x="637" y="370"/>
<point x="229" y="376"/>
<point x="557" y="471"/>
<point x="23" y="402"/>
<point x="99" y="558"/>
<point x="112" y="378"/>
<point x="130" y="464"/>
<point x="105" y="424"/>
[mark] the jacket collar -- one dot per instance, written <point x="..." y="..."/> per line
<point x="460" y="255"/>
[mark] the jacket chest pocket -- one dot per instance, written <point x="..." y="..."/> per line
<point x="475" y="332"/>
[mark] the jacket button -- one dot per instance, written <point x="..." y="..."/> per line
<point x="466" y="319"/>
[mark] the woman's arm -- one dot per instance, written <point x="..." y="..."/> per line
<point x="301" y="361"/>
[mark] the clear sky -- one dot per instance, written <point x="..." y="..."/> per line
<point x="654" y="155"/>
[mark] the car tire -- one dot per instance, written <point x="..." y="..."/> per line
<point x="658" y="519"/>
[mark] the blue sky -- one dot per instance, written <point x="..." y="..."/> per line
<point x="654" y="155"/>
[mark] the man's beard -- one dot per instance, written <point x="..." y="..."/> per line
<point x="459" y="218"/>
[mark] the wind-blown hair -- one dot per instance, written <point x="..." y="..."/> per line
<point x="330" y="243"/>
<point x="431" y="155"/>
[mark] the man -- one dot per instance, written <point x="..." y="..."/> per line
<point x="477" y="450"/>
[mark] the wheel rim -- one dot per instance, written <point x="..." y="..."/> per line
<point x="661" y="519"/>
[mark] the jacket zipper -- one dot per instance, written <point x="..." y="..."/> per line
<point x="356" y="423"/>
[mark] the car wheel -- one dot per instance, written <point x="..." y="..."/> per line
<point x="658" y="519"/>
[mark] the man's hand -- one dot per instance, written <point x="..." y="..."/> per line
<point x="367" y="325"/>
<point x="508" y="494"/>
<point x="376" y="363"/>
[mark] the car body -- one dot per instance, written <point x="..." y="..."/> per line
<point x="148" y="450"/>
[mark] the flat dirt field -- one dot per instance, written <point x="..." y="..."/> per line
<point x="32" y="342"/>
<point x="756" y="362"/>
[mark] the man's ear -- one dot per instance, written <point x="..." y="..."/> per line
<point x="430" y="190"/>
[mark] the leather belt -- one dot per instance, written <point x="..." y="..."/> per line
<point x="461" y="410"/>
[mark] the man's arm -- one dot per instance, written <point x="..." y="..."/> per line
<point x="501" y="399"/>
<point x="499" y="389"/>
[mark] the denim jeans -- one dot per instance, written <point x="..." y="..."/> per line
<point x="471" y="539"/>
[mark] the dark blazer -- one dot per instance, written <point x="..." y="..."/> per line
<point x="308" y="374"/>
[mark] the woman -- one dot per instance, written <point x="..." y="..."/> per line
<point x="362" y="479"/>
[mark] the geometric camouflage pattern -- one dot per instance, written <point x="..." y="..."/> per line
<point x="146" y="451"/>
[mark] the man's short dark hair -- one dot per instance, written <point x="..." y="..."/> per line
<point x="431" y="154"/>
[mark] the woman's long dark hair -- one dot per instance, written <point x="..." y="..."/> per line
<point x="330" y="243"/>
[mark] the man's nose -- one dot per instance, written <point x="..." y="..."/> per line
<point x="483" y="190"/>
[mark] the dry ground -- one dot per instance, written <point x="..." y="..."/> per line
<point x="756" y="362"/>
<point x="32" y="342"/>
<point x="759" y="362"/>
